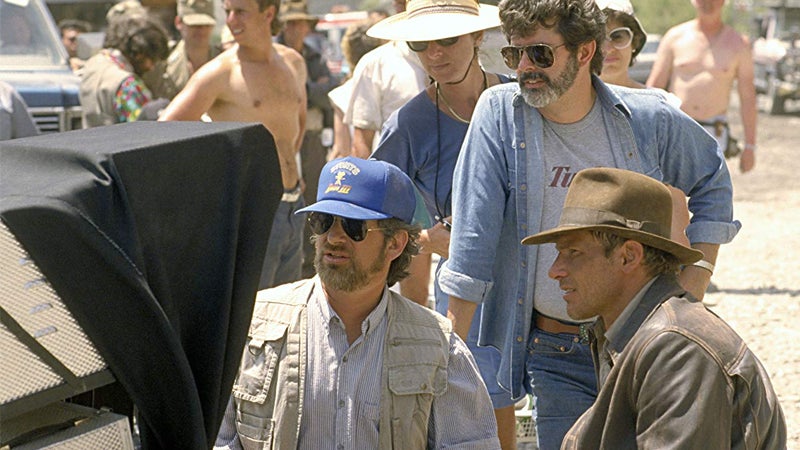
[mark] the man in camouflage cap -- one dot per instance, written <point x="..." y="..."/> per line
<point x="195" y="22"/>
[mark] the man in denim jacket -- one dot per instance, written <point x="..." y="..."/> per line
<point x="524" y="145"/>
<point x="340" y="361"/>
<point x="672" y="374"/>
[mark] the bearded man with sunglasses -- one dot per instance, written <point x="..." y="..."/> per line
<point x="341" y="361"/>
<point x="523" y="147"/>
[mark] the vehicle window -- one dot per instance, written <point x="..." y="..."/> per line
<point x="26" y="39"/>
<point x="790" y="24"/>
<point x="650" y="46"/>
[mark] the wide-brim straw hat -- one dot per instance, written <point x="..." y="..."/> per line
<point x="625" y="203"/>
<point x="429" y="20"/>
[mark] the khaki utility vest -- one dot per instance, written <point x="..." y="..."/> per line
<point x="271" y="378"/>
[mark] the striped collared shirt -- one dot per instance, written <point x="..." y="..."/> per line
<point x="343" y="387"/>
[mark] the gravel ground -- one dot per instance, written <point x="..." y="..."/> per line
<point x="756" y="279"/>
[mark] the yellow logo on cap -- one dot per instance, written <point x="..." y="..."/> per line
<point x="337" y="186"/>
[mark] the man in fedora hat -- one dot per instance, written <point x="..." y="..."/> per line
<point x="298" y="28"/>
<point x="340" y="360"/>
<point x="525" y="143"/>
<point x="671" y="372"/>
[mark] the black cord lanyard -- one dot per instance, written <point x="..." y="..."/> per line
<point x="439" y="214"/>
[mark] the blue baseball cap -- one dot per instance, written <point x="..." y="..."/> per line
<point x="364" y="189"/>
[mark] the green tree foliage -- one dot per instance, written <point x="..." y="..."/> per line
<point x="657" y="16"/>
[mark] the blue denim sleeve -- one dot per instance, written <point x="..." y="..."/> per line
<point x="692" y="162"/>
<point x="480" y="191"/>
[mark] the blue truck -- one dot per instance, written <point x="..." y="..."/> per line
<point x="33" y="60"/>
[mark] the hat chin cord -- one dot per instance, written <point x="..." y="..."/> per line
<point x="466" y="72"/>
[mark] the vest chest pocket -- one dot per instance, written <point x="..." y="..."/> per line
<point x="413" y="388"/>
<point x="259" y="363"/>
<point x="417" y="379"/>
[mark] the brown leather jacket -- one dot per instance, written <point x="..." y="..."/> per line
<point x="681" y="378"/>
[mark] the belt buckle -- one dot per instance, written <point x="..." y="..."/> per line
<point x="584" y="332"/>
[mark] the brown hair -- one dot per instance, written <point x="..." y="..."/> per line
<point x="658" y="262"/>
<point x="577" y="21"/>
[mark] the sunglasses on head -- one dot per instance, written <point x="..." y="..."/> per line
<point x="541" y="55"/>
<point x="620" y="37"/>
<point x="356" y="229"/>
<point x="421" y="46"/>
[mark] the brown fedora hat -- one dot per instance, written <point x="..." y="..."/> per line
<point x="296" y="10"/>
<point x="625" y="203"/>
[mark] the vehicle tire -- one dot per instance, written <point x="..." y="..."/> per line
<point x="775" y="103"/>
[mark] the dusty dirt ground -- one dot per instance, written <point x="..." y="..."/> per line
<point x="757" y="277"/>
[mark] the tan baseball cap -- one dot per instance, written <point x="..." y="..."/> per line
<point x="196" y="12"/>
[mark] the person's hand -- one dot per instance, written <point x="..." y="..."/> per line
<point x="747" y="160"/>
<point x="436" y="239"/>
<point x="695" y="280"/>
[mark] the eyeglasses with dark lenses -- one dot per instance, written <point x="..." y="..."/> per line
<point x="541" y="55"/>
<point x="620" y="37"/>
<point x="354" y="228"/>
<point x="421" y="46"/>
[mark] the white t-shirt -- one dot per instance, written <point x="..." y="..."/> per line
<point x="383" y="81"/>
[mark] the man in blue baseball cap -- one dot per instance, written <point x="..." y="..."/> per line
<point x="339" y="360"/>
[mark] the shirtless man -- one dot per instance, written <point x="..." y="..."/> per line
<point x="258" y="81"/>
<point x="698" y="62"/>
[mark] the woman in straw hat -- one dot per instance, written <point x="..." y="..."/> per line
<point x="423" y="138"/>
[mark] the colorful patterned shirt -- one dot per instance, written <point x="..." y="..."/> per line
<point x="132" y="94"/>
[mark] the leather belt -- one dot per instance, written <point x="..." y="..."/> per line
<point x="554" y="326"/>
<point x="718" y="125"/>
<point x="292" y="195"/>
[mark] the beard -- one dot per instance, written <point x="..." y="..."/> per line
<point x="349" y="277"/>
<point x="553" y="90"/>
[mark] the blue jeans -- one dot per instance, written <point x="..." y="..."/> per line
<point x="486" y="358"/>
<point x="561" y="378"/>
<point x="284" y="258"/>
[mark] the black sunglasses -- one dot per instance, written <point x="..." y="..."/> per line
<point x="355" y="229"/>
<point x="541" y="55"/>
<point x="421" y="46"/>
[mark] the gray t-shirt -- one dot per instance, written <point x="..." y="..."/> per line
<point x="567" y="148"/>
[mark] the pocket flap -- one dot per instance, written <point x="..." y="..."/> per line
<point x="414" y="379"/>
<point x="259" y="362"/>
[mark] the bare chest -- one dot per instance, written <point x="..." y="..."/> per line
<point x="697" y="55"/>
<point x="262" y="93"/>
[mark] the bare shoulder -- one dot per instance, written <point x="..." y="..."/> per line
<point x="217" y="70"/>
<point x="291" y="57"/>
<point x="735" y="40"/>
<point x="678" y="31"/>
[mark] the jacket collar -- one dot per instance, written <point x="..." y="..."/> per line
<point x="662" y="289"/>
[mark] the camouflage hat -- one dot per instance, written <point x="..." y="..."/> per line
<point x="125" y="8"/>
<point x="196" y="12"/>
